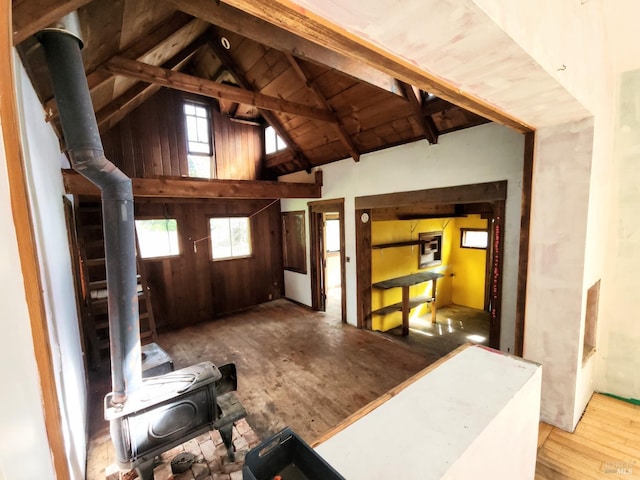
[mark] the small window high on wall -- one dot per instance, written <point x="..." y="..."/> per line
<point x="199" y="143"/>
<point x="272" y="141"/>
<point x="474" y="238"/>
<point x="158" y="237"/>
<point x="230" y="237"/>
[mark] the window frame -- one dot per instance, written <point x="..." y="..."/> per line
<point x="233" y="257"/>
<point x="158" y="257"/>
<point x="187" y="100"/>
<point x="463" y="232"/>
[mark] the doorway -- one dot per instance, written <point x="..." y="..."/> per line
<point x="487" y="200"/>
<point x="328" y="289"/>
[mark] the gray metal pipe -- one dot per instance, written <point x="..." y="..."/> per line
<point x="62" y="50"/>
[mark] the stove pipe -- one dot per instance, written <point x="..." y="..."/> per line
<point x="62" y="44"/>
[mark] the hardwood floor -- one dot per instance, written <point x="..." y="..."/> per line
<point x="605" y="444"/>
<point x="307" y="370"/>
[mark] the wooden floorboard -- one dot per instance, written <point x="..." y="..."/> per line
<point x="605" y="444"/>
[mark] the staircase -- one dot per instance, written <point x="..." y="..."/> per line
<point x="88" y="214"/>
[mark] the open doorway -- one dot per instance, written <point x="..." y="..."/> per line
<point x="392" y="284"/>
<point x="328" y="292"/>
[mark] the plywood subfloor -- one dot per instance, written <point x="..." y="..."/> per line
<point x="605" y="444"/>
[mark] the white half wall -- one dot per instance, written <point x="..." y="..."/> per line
<point x="43" y="160"/>
<point x="482" y="154"/>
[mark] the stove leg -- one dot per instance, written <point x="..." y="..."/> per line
<point x="145" y="469"/>
<point x="226" y="432"/>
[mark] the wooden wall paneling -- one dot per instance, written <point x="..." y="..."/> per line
<point x="163" y="133"/>
<point x="155" y="150"/>
<point x="174" y="124"/>
<point x="138" y="155"/>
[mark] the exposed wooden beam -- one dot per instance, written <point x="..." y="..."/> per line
<point x="436" y="105"/>
<point x="171" y="187"/>
<point x="248" y="26"/>
<point x="414" y="211"/>
<point x="320" y="31"/>
<point x="209" y="88"/>
<point x="31" y="16"/>
<point x="426" y="123"/>
<point x="117" y="109"/>
<point x="323" y="103"/>
<point x="144" y="46"/>
<point x="270" y="117"/>
<point x="476" y="193"/>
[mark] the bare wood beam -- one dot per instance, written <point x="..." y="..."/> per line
<point x="477" y="193"/>
<point x="323" y="103"/>
<point x="209" y="88"/>
<point x="118" y="108"/>
<point x="150" y="43"/>
<point x="327" y="35"/>
<point x="426" y="123"/>
<point x="436" y="105"/>
<point x="278" y="159"/>
<point x="170" y="187"/>
<point x="248" y="26"/>
<point x="31" y="16"/>
<point x="271" y="118"/>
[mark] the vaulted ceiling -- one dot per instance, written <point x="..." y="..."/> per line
<point x="325" y="105"/>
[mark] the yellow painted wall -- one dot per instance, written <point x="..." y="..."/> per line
<point x="468" y="267"/>
<point x="397" y="261"/>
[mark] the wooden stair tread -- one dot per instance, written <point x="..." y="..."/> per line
<point x="397" y="307"/>
<point x="94" y="262"/>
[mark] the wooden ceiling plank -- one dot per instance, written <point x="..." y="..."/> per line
<point x="322" y="102"/>
<point x="249" y="26"/>
<point x="198" y="188"/>
<point x="327" y="35"/>
<point x="29" y="17"/>
<point x="151" y="42"/>
<point x="122" y="105"/>
<point x="426" y="124"/>
<point x="200" y="86"/>
<point x="271" y="118"/>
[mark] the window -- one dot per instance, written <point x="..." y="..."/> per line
<point x="430" y="249"/>
<point x="474" y="238"/>
<point x="294" y="251"/>
<point x="199" y="149"/>
<point x="272" y="141"/>
<point x="230" y="237"/>
<point x="158" y="237"/>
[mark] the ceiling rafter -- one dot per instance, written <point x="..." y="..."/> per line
<point x="426" y="123"/>
<point x="253" y="28"/>
<point x="271" y="119"/>
<point x="31" y="16"/>
<point x="322" y="102"/>
<point x="200" y="86"/>
<point x="139" y="49"/>
<point x="118" y="108"/>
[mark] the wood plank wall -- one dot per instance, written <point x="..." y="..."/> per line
<point x="191" y="287"/>
<point x="151" y="141"/>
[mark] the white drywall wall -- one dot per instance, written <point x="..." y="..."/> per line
<point x="24" y="449"/>
<point x="481" y="154"/>
<point x="42" y="160"/>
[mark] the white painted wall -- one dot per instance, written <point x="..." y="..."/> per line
<point x="42" y="156"/>
<point x="474" y="416"/>
<point x="481" y="154"/>
<point x="24" y="448"/>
